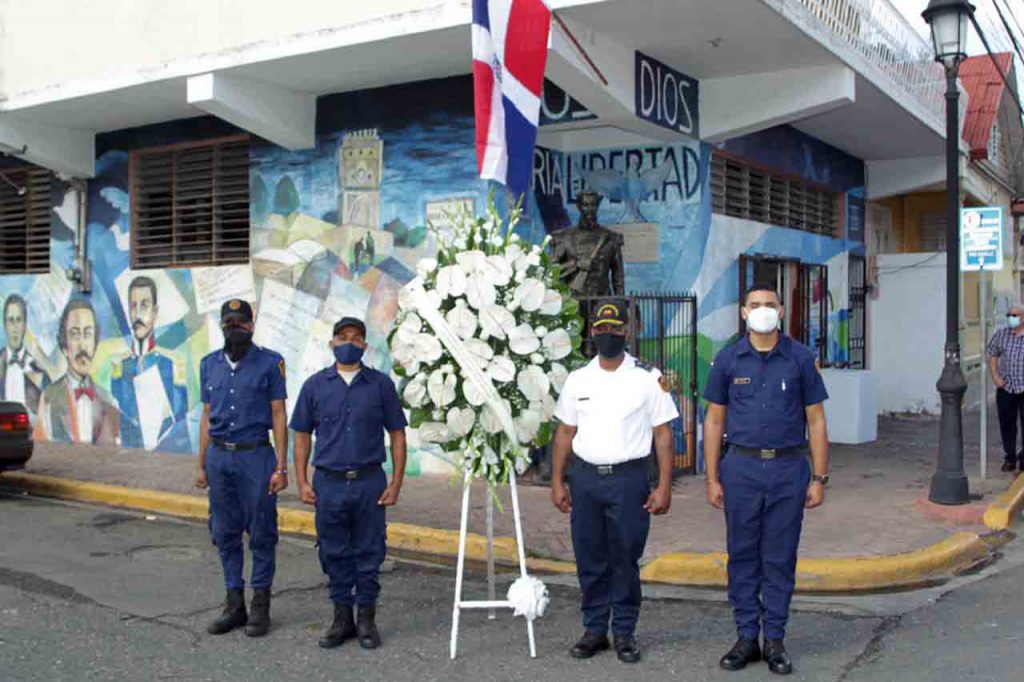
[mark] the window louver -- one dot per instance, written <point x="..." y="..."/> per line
<point x="25" y="221"/>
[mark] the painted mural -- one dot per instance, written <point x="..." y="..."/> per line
<point x="338" y="229"/>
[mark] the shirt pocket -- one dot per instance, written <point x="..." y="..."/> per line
<point x="255" y="389"/>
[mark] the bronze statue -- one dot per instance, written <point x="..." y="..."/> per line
<point x="590" y="256"/>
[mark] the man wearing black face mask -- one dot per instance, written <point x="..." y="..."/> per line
<point x="349" y="406"/>
<point x="243" y="394"/>
<point x="609" y="410"/>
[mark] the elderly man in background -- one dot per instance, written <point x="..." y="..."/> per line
<point x="1006" y="364"/>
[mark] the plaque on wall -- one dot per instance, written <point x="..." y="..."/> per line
<point x="641" y="241"/>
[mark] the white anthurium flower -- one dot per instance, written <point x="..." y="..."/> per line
<point x="451" y="281"/>
<point x="490" y="457"/>
<point x="481" y="350"/>
<point x="557" y="344"/>
<point x="530" y="294"/>
<point x="546" y="407"/>
<point x="474" y="396"/>
<point x="522" y="340"/>
<point x="533" y="257"/>
<point x="489" y="420"/>
<point x="426" y="348"/>
<point x="462" y="320"/>
<point x="533" y="383"/>
<point x="558" y="374"/>
<point x="410" y="327"/>
<point x="426" y="266"/>
<point x="497" y="321"/>
<point x="552" y="304"/>
<point x="527" y="425"/>
<point x="472" y="262"/>
<point x="498" y="269"/>
<point x="502" y="369"/>
<point x="480" y="292"/>
<point x="460" y="421"/>
<point x="434" y="298"/>
<point x="520" y="276"/>
<point x="415" y="392"/>
<point x="512" y="253"/>
<point x="434" y="432"/>
<point x="441" y="387"/>
<point x="537" y="358"/>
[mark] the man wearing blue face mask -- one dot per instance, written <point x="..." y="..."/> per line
<point x="1006" y="365"/>
<point x="349" y="407"/>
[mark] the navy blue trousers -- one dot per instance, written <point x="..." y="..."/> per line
<point x="352" y="534"/>
<point x="609" y="532"/>
<point x="764" y="513"/>
<point x="240" y="502"/>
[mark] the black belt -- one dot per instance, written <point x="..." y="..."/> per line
<point x="609" y="469"/>
<point x="352" y="474"/>
<point x="235" y="447"/>
<point x="770" y="453"/>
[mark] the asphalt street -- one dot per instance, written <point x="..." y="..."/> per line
<point x="89" y="593"/>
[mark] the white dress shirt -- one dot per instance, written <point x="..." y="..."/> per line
<point x="83" y="411"/>
<point x="14" y="382"/>
<point x="614" y="412"/>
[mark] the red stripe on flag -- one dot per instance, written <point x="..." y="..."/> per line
<point x="483" y="95"/>
<point x="526" y="42"/>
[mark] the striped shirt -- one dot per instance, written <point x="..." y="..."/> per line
<point x="1009" y="348"/>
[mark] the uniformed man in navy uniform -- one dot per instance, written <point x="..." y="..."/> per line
<point x="609" y="411"/>
<point x="349" y="407"/>
<point x="765" y="396"/>
<point x="243" y="393"/>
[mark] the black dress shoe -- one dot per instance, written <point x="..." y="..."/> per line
<point x="626" y="648"/>
<point x="1009" y="466"/>
<point x="776" y="657"/>
<point x="744" y="651"/>
<point x="590" y="643"/>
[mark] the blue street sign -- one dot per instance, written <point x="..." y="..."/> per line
<point x="981" y="239"/>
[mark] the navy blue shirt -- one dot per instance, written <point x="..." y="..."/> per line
<point x="240" y="398"/>
<point x="349" y="420"/>
<point x="765" y="396"/>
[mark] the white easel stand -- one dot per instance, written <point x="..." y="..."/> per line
<point x="491" y="604"/>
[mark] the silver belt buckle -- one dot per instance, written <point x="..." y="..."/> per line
<point x="352" y="475"/>
<point x="604" y="469"/>
<point x="230" y="447"/>
<point x="767" y="454"/>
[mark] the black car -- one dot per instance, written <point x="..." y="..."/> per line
<point x="15" y="436"/>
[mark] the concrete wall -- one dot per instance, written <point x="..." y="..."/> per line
<point x="906" y="323"/>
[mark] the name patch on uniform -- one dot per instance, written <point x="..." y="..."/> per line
<point x="582" y="399"/>
<point x="741" y="380"/>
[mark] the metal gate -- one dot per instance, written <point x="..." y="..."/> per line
<point x="813" y="289"/>
<point x="858" y="312"/>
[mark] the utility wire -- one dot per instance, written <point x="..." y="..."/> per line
<point x="999" y="68"/>
<point x="1009" y="31"/>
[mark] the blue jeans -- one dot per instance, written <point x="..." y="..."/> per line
<point x="240" y="502"/>
<point x="764" y="512"/>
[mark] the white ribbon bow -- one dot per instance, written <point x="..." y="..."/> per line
<point x="529" y="597"/>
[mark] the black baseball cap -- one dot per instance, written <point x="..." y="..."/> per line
<point x="611" y="311"/>
<point x="349" y="322"/>
<point x="236" y="308"/>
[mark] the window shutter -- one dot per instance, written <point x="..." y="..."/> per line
<point x="191" y="205"/>
<point x="25" y="221"/>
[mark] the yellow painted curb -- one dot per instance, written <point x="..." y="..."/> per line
<point x="853" y="574"/>
<point x="1005" y="509"/>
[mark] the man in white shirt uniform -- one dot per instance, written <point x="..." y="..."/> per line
<point x="20" y="375"/>
<point x="609" y="410"/>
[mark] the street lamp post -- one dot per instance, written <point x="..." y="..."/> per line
<point x="948" y="21"/>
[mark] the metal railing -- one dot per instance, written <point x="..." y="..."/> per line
<point x="881" y="34"/>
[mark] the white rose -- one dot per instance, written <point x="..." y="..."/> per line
<point x="496" y="321"/>
<point x="552" y="304"/>
<point x="479" y="292"/>
<point x="462" y="320"/>
<point x="522" y="340"/>
<point x="530" y="294"/>
<point x="460" y="421"/>
<point x="502" y="369"/>
<point x="415" y="392"/>
<point x="451" y="281"/>
<point x="426" y="266"/>
<point x="441" y="387"/>
<point x="557" y="344"/>
<point x="434" y="432"/>
<point x="533" y="383"/>
<point x="558" y="374"/>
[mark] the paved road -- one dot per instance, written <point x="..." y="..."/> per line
<point x="88" y="593"/>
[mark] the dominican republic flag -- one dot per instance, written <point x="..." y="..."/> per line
<point x="510" y="48"/>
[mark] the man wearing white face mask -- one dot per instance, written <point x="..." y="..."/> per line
<point x="1006" y="365"/>
<point x="766" y="393"/>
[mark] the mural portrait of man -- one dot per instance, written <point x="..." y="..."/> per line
<point x="21" y="377"/>
<point x="147" y="370"/>
<point x="73" y="408"/>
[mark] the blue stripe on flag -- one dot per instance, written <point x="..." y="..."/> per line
<point x="481" y="14"/>
<point x="520" y="137"/>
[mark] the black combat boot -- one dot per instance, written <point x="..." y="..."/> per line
<point x="343" y="627"/>
<point x="234" y="615"/>
<point x="259" y="621"/>
<point x="369" y="638"/>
